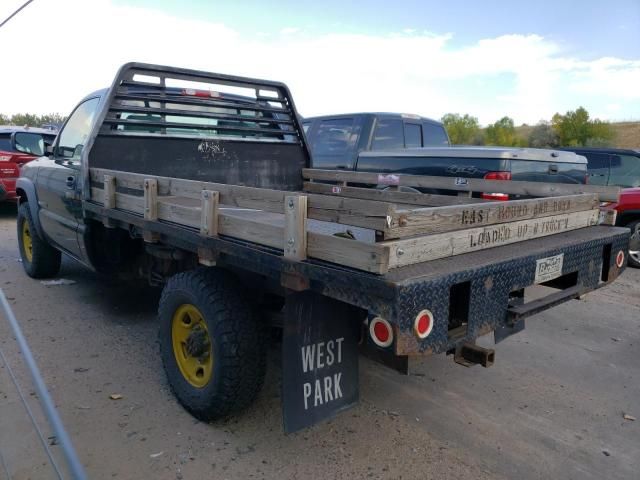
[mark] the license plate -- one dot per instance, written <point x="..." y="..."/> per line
<point x="549" y="268"/>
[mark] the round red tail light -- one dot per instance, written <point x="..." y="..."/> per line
<point x="381" y="332"/>
<point x="423" y="324"/>
<point x="620" y="259"/>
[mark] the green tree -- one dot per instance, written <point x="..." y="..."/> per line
<point x="52" y="118"/>
<point x="543" y="136"/>
<point x="502" y="133"/>
<point x="462" y="129"/>
<point x="25" y="119"/>
<point x="575" y="128"/>
<point x="31" y="119"/>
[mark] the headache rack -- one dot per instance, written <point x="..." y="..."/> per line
<point x="177" y="122"/>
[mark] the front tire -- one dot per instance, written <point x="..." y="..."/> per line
<point x="212" y="345"/>
<point x="39" y="259"/>
<point x="634" y="244"/>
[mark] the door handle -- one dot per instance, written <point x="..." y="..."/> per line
<point x="553" y="169"/>
<point x="71" y="181"/>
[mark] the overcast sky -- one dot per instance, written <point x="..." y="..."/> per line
<point x="525" y="59"/>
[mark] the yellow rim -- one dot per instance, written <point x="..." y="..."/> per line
<point x="27" y="243"/>
<point x="192" y="345"/>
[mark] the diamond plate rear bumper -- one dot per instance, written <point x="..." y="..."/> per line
<point x="492" y="276"/>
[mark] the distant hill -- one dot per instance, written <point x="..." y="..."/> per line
<point x="627" y="134"/>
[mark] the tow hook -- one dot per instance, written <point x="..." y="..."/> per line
<point x="469" y="354"/>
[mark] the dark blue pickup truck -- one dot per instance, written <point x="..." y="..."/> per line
<point x="404" y="143"/>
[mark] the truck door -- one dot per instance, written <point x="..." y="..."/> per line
<point x="58" y="183"/>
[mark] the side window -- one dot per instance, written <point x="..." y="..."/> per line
<point x="388" y="135"/>
<point x="412" y="135"/>
<point x="305" y="127"/>
<point x="625" y="171"/>
<point x="598" y="167"/>
<point x="76" y="131"/>
<point x="334" y="137"/>
<point x="435" y="135"/>
<point x="5" y="142"/>
<point x="597" y="160"/>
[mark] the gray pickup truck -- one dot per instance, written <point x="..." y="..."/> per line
<point x="202" y="192"/>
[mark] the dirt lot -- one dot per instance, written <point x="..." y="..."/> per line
<point x="552" y="406"/>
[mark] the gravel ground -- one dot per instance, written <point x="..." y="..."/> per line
<point x="552" y="405"/>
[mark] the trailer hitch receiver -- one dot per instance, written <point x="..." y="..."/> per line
<point x="469" y="354"/>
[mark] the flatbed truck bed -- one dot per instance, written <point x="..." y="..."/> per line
<point x="220" y="214"/>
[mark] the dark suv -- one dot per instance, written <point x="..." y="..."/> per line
<point x="611" y="166"/>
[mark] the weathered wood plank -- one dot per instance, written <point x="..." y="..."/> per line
<point x="375" y="215"/>
<point x="295" y="227"/>
<point x="407" y="198"/>
<point x="209" y="213"/>
<point x="125" y="202"/>
<point x="533" y="189"/>
<point x="150" y="206"/>
<point x="423" y="249"/>
<point x="369" y="257"/>
<point x="150" y="199"/>
<point x="445" y="219"/>
<point x="109" y="191"/>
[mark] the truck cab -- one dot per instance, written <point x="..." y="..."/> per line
<point x="54" y="179"/>
<point x="337" y="140"/>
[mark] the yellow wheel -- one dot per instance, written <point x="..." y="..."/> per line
<point x="212" y="343"/>
<point x="192" y="345"/>
<point x="39" y="259"/>
<point x="27" y="242"/>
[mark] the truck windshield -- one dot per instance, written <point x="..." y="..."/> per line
<point x="334" y="136"/>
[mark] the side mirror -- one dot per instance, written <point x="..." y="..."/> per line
<point x="27" y="142"/>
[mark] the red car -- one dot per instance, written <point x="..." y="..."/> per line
<point x="628" y="208"/>
<point x="19" y="145"/>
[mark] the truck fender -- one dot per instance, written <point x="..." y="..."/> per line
<point x="26" y="188"/>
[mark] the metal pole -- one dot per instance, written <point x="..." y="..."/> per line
<point x="15" y="13"/>
<point x="75" y="467"/>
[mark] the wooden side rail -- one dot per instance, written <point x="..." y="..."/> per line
<point x="423" y="234"/>
<point x="533" y="189"/>
<point x="389" y="220"/>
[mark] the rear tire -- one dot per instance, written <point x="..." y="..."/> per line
<point x="634" y="244"/>
<point x="203" y="314"/>
<point x="39" y="259"/>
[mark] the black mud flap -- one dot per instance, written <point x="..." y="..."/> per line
<point x="319" y="359"/>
